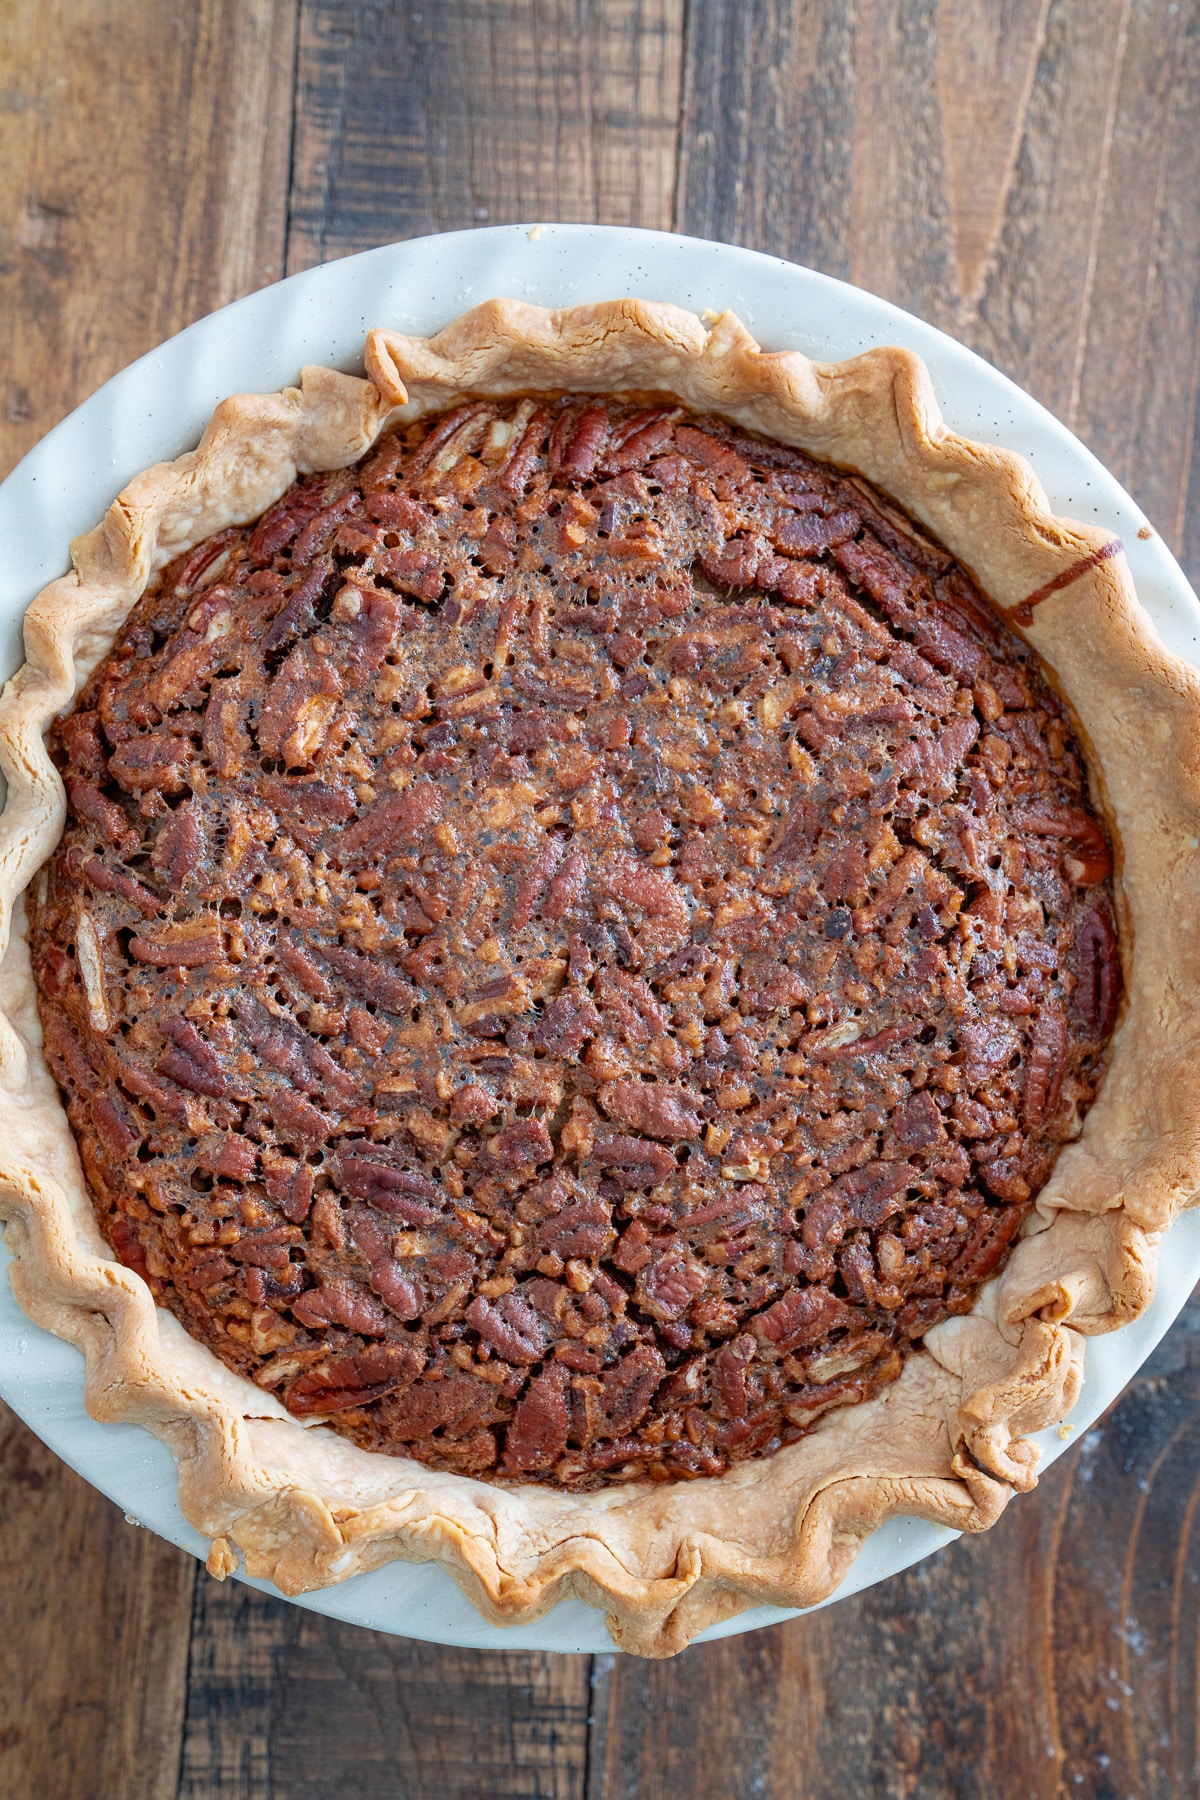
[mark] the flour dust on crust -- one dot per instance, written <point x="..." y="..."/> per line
<point x="949" y="1440"/>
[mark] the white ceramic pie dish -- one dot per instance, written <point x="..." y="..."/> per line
<point x="158" y="407"/>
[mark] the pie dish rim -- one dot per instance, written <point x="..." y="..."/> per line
<point x="760" y="427"/>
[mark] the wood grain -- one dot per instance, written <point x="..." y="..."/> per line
<point x="986" y="61"/>
<point x="434" y="118"/>
<point x="1139" y="371"/>
<point x="287" y="1705"/>
<point x="1022" y="174"/>
<point x="93" y="1659"/>
<point x="143" y="170"/>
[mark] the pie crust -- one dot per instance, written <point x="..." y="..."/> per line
<point x="948" y="1441"/>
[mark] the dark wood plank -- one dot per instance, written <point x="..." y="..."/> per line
<point x="286" y="1705"/>
<point x="766" y="142"/>
<point x="437" y="117"/>
<point x="143" y="172"/>
<point x="1139" y="371"/>
<point x="93" y="1658"/>
<point x="143" y="164"/>
<point x="1055" y="1655"/>
<point x="1023" y="174"/>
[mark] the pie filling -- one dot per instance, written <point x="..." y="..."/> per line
<point x="575" y="943"/>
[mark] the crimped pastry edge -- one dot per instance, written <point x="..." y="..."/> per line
<point x="948" y="1441"/>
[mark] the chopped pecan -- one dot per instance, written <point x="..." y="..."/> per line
<point x="390" y="823"/>
<point x="341" y="1382"/>
<point x="189" y="1060"/>
<point x="299" y="1122"/>
<point x="341" y="1302"/>
<point x="89" y="804"/>
<point x="652" y="1110"/>
<point x="634" y="1162"/>
<point x="985" y="1047"/>
<point x="628" y="1388"/>
<point x="1098" y="989"/>
<point x="367" y="978"/>
<point x="582" y="1228"/>
<point x="510" y="1326"/>
<point x="400" y="1192"/>
<point x="1044" y="1067"/>
<point x="729" y="1372"/>
<point x="1073" y="826"/>
<point x="917" y="1122"/>
<point x="527" y="1141"/>
<point x="104" y="880"/>
<point x="154" y="763"/>
<point x="472" y="1105"/>
<point x="633" y="1251"/>
<point x="802" y="1317"/>
<point x="179" y="848"/>
<point x="537" y="1434"/>
<point x="188" y="945"/>
<point x="670" y="1281"/>
<point x="567" y="1023"/>
<point x="416" y="572"/>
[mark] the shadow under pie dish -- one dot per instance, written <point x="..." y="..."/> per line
<point x="577" y="946"/>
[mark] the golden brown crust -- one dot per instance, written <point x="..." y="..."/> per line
<point x="948" y="1441"/>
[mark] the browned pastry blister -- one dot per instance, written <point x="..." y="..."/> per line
<point x="581" y="945"/>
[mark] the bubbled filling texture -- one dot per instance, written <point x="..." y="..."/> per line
<point x="575" y="942"/>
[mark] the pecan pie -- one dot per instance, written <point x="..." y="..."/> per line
<point x="621" y="1024"/>
<point x="576" y="941"/>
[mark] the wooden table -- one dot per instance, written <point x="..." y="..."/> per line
<point x="1024" y="175"/>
